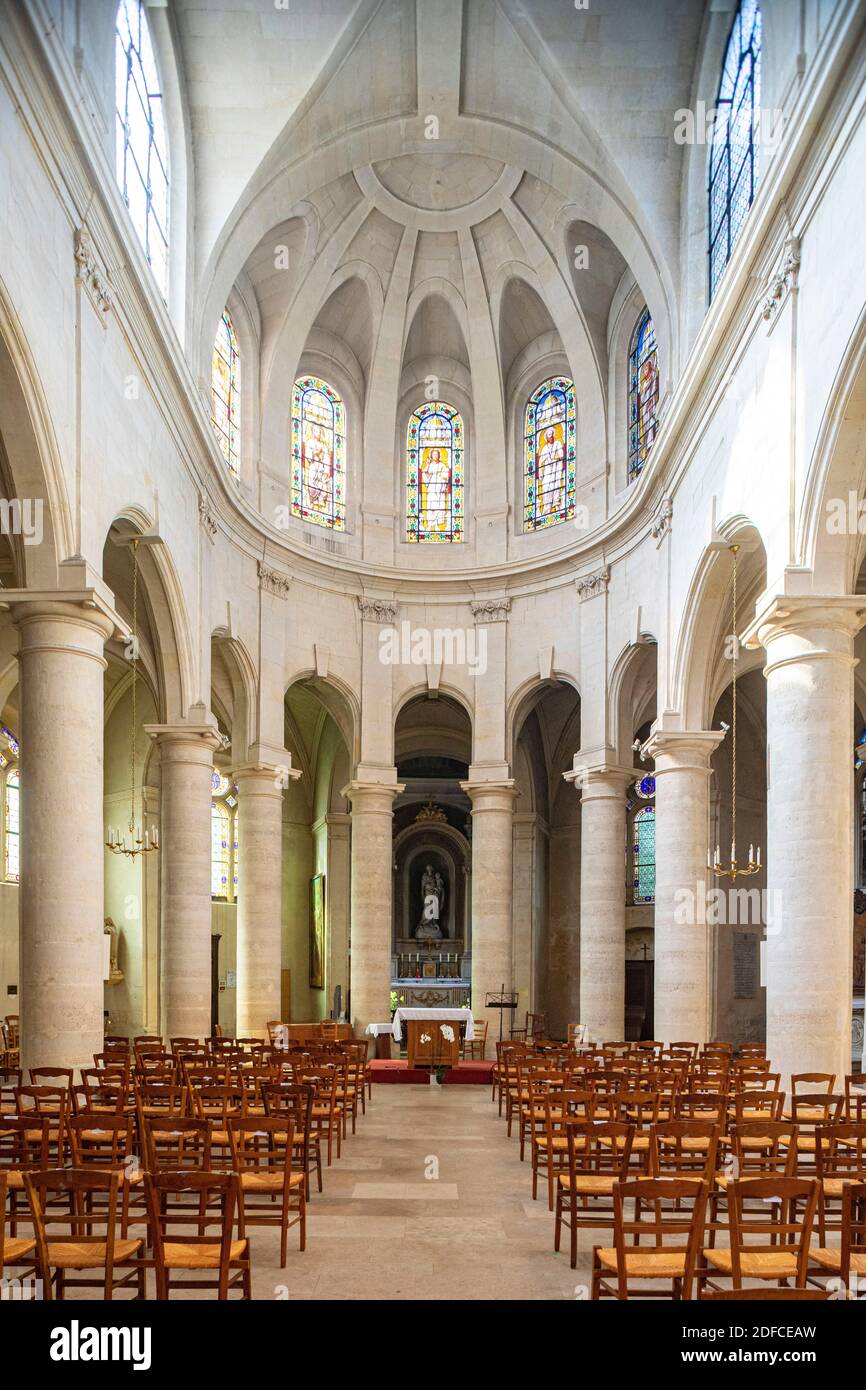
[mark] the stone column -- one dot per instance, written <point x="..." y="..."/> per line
<point x="62" y="841"/>
<point x="602" y="899"/>
<point x="260" y="892"/>
<point x="186" y="763"/>
<point x="492" y="849"/>
<point x="682" y="957"/>
<point x="810" y="828"/>
<point x="371" y="893"/>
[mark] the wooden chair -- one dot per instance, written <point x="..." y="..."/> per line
<point x="641" y="1247"/>
<point x="262" y="1151"/>
<point x="584" y="1194"/>
<point x="107" y="1143"/>
<point x="850" y="1257"/>
<point x="327" y="1120"/>
<point x="770" y="1241"/>
<point x="684" y="1149"/>
<point x="182" y="1246"/>
<point x="15" y="1251"/>
<point x="218" y="1104"/>
<point x="684" y="1049"/>
<point x="91" y="1243"/>
<point x="173" y="1142"/>
<point x="549" y="1142"/>
<point x="476" y="1049"/>
<point x="759" y="1149"/>
<point x="812" y="1113"/>
<point x="284" y="1100"/>
<point x="10" y="1082"/>
<point x="840" y="1159"/>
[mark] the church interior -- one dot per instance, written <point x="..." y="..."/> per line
<point x="432" y="611"/>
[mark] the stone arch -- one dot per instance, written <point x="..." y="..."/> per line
<point x="631" y="689"/>
<point x="339" y="700"/>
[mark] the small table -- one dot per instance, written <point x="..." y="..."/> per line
<point x="426" y="1044"/>
<point x="382" y="1032"/>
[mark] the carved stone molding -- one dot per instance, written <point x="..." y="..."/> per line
<point x="490" y="610"/>
<point x="377" y="610"/>
<point x="90" y="273"/>
<point x="272" y="581"/>
<point x="207" y="516"/>
<point x="783" y="280"/>
<point x="591" y="585"/>
<point x="662" y="524"/>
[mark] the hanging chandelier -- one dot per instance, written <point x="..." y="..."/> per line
<point x="134" y="840"/>
<point x="753" y="866"/>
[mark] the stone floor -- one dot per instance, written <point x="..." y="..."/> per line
<point x="429" y="1201"/>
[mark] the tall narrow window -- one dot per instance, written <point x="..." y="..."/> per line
<point x="12" y="868"/>
<point x="643" y="393"/>
<point x="141" y="146"/>
<point x="318" y="454"/>
<point x="224" y="841"/>
<point x="733" y="171"/>
<point x="549" y="449"/>
<point x="225" y="409"/>
<point x="644" y="855"/>
<point x="434" y="474"/>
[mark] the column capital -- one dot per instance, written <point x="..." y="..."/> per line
<point x="494" y="795"/>
<point x="377" y="796"/>
<point x="490" y="610"/>
<point x="268" y="765"/>
<point x="779" y="615"/>
<point x="202" y="739"/>
<point x="87" y="607"/>
<point x="377" y="610"/>
<point x="680" y="749"/>
<point x="596" y="781"/>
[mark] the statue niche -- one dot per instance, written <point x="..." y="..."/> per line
<point x="433" y="899"/>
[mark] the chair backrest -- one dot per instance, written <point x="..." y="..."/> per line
<point x="842" y="1151"/>
<point x="180" y="1222"/>
<point x="668" y="1214"/>
<point x="175" y="1142"/>
<point x="52" y="1076"/>
<point x="853" y="1242"/>
<point x="771" y="1216"/>
<point x="814" y="1081"/>
<point x="709" y="1106"/>
<point x="26" y="1141"/>
<point x="821" y="1108"/>
<point x="105" y="1142"/>
<point x="750" y="1105"/>
<point x="89" y="1222"/>
<point x="262" y="1143"/>
<point x="684" y="1148"/>
<point x="684" y="1049"/>
<point x="761" y="1148"/>
<point x="599" y="1146"/>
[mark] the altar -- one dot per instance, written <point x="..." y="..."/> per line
<point x="433" y="1035"/>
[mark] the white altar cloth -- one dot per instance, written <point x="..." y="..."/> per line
<point x="435" y="1016"/>
<point x="375" y="1030"/>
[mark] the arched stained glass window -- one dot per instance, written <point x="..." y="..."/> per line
<point x="643" y="393"/>
<point x="644" y="855"/>
<point x="549" y="451"/>
<point x="318" y="454"/>
<point x="141" y="146"/>
<point x="434" y="474"/>
<point x="733" y="172"/>
<point x="225" y="411"/>
<point x="12" y="867"/>
<point x="224" y="858"/>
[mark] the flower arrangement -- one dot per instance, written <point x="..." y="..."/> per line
<point x="425" y="1038"/>
<point x="396" y="1000"/>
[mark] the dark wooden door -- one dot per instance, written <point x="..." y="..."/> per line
<point x="639" y="982"/>
<point x="214" y="984"/>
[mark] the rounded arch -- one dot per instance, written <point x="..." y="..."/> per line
<point x="165" y="606"/>
<point x="524" y="699"/>
<point x="339" y="700"/>
<point x="243" y="679"/>
<point x="700" y="669"/>
<point x="631" y="691"/>
<point x="433" y="725"/>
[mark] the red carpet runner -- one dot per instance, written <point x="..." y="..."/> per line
<point x="464" y="1074"/>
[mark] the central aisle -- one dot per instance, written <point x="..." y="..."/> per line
<point x="382" y="1229"/>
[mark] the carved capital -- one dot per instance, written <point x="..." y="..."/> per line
<point x="783" y="280"/>
<point x="90" y="273"/>
<point x="207" y="516"/>
<point x="377" y="610"/>
<point x="591" y="585"/>
<point x="272" y="582"/>
<point x="664" y="518"/>
<point x="490" y="610"/>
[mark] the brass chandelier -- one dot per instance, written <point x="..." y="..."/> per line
<point x="753" y="866"/>
<point x="134" y="840"/>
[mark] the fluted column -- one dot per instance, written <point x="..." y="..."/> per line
<point x="62" y="851"/>
<point x="492" y="902"/>
<point x="371" y="910"/>
<point x="260" y="890"/>
<point x="186" y="763"/>
<point x="810" y="829"/>
<point x="682" y="773"/>
<point x="602" y="899"/>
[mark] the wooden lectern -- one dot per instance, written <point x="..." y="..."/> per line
<point x="437" y="1051"/>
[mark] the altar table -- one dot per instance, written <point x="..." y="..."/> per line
<point x="426" y="1044"/>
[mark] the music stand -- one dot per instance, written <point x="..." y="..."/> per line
<point x="505" y="999"/>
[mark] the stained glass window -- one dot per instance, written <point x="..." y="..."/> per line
<point x="549" y="451"/>
<point x="434" y="474"/>
<point x="318" y="454"/>
<point x="141" y="146"/>
<point x="224" y="859"/>
<point x="12" y="826"/>
<point x="225" y="411"/>
<point x="644" y="855"/>
<point x="733" y="171"/>
<point x="643" y="393"/>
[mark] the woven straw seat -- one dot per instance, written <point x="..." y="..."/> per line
<point x="832" y="1259"/>
<point x="556" y="1141"/>
<point x="16" y="1248"/>
<point x="757" y="1264"/>
<point x="268" y="1182"/>
<point x="640" y="1143"/>
<point x="588" y="1184"/>
<point x="87" y="1254"/>
<point x="645" y="1264"/>
<point x="14" y="1180"/>
<point x="201" y="1256"/>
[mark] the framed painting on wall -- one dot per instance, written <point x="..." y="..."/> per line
<point x="317" y="932"/>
